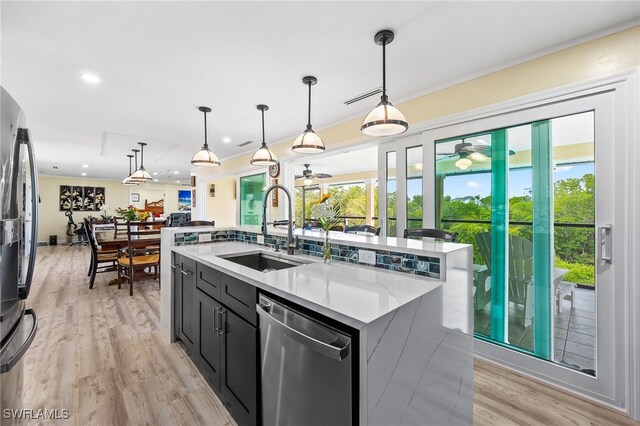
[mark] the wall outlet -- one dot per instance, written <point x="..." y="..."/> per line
<point x="367" y="256"/>
<point x="204" y="237"/>
<point x="260" y="239"/>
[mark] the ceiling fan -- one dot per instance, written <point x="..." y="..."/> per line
<point x="468" y="153"/>
<point x="308" y="175"/>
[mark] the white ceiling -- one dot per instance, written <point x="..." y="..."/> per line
<point x="158" y="61"/>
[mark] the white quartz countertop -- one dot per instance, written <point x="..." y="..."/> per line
<point x="352" y="294"/>
<point x="421" y="247"/>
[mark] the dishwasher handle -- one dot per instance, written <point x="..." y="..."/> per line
<point x="334" y="352"/>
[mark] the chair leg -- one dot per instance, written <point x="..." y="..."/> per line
<point x="119" y="276"/>
<point x="131" y="272"/>
<point x="90" y="266"/>
<point x="94" y="269"/>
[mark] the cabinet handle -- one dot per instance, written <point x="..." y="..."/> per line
<point x="186" y="272"/>
<point x="222" y="324"/>
<point x="174" y="267"/>
<point x="215" y="320"/>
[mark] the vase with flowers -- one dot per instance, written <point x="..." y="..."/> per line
<point x="327" y="217"/>
<point x="131" y="213"/>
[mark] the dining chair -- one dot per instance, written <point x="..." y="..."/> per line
<point x="142" y="252"/>
<point x="101" y="260"/>
<point x="439" y="234"/>
<point x="362" y="230"/>
<point x="120" y="224"/>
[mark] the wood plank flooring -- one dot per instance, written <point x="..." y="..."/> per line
<point x="99" y="354"/>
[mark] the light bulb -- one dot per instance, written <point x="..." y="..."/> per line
<point x="463" y="163"/>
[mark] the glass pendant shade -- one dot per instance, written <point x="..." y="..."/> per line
<point x="384" y="120"/>
<point x="141" y="175"/>
<point x="308" y="142"/>
<point x="264" y="157"/>
<point x="205" y="157"/>
<point x="463" y="163"/>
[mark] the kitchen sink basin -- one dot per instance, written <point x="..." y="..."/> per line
<point x="262" y="262"/>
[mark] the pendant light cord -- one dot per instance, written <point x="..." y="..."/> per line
<point x="130" y="157"/>
<point x="384" y="69"/>
<point x="135" y="151"/>
<point x="206" y="145"/>
<point x="142" y="156"/>
<point x="263" y="142"/>
<point x="309" y="110"/>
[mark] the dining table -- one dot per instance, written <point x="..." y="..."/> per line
<point x="110" y="240"/>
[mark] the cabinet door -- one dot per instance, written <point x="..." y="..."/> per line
<point x="176" y="280"/>
<point x="188" y="314"/>
<point x="239" y="368"/>
<point x="208" y="352"/>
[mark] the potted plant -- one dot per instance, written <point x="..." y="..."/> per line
<point x="327" y="217"/>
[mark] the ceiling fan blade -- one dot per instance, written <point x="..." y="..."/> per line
<point x="446" y="153"/>
<point x="323" y="175"/>
<point x="298" y="177"/>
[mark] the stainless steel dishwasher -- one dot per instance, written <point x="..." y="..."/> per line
<point x="306" y="369"/>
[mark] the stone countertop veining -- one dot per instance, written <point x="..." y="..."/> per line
<point x="353" y="294"/>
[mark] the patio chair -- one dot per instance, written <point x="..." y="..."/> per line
<point x="431" y="233"/>
<point x="520" y="270"/>
<point x="362" y="230"/>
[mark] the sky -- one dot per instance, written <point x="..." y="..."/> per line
<point x="519" y="181"/>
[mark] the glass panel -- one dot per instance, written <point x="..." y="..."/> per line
<point x="574" y="241"/>
<point x="251" y="198"/>
<point x="546" y="306"/>
<point x="352" y="199"/>
<point x="463" y="206"/>
<point x="391" y="194"/>
<point x="309" y="197"/>
<point x="414" y="187"/>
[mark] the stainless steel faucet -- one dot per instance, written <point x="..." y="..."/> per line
<point x="291" y="244"/>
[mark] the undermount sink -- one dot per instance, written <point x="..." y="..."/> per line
<point x="262" y="262"/>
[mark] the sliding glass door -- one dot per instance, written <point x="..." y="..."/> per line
<point x="533" y="194"/>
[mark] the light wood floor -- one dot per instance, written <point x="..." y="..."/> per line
<point x="99" y="354"/>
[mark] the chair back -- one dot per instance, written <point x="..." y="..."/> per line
<point x="143" y="238"/>
<point x="120" y="225"/>
<point x="520" y="263"/>
<point x="362" y="229"/>
<point x="89" y="233"/>
<point x="200" y="223"/>
<point x="431" y="233"/>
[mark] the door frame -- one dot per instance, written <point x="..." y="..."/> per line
<point x="623" y="391"/>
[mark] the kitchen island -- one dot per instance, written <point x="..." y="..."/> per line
<point x="412" y="342"/>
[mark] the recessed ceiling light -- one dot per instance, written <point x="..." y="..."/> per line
<point x="176" y="172"/>
<point x="155" y="180"/>
<point x="83" y="174"/>
<point x="155" y="174"/>
<point x="226" y="139"/>
<point x="177" y="181"/>
<point x="91" y="78"/>
<point x="85" y="166"/>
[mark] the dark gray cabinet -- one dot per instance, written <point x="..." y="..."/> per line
<point x="184" y="287"/>
<point x="215" y="318"/>
<point x="239" y="382"/>
<point x="209" y="341"/>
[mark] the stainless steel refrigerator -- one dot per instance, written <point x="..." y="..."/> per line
<point x="18" y="236"/>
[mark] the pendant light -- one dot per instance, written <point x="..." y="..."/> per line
<point x="385" y="119"/>
<point x="263" y="156"/>
<point x="132" y="178"/>
<point x="308" y="142"/>
<point x="205" y="157"/>
<point x="141" y="174"/>
<point x="128" y="180"/>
